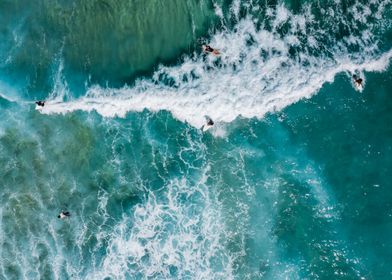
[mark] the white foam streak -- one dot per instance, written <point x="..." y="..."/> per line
<point x="255" y="74"/>
<point x="60" y="89"/>
<point x="165" y="238"/>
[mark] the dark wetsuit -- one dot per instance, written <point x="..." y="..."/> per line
<point x="66" y="214"/>
<point x="357" y="80"/>
<point x="40" y="103"/>
<point x="208" y="49"/>
<point x="210" y="122"/>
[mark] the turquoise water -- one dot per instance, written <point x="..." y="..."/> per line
<point x="292" y="182"/>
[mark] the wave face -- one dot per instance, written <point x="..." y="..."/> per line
<point x="105" y="42"/>
<point x="270" y="192"/>
<point x="271" y="57"/>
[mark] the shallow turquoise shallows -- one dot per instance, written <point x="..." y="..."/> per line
<point x="293" y="181"/>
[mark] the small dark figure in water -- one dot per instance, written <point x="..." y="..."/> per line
<point x="358" y="80"/>
<point x="210" y="122"/>
<point x="64" y="214"/>
<point x="208" y="49"/>
<point x="208" y="125"/>
<point x="40" y="103"/>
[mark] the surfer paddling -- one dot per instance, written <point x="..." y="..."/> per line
<point x="208" y="49"/>
<point x="357" y="81"/>
<point x="63" y="215"/>
<point x="40" y="103"/>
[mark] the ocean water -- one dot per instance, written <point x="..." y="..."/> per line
<point x="292" y="182"/>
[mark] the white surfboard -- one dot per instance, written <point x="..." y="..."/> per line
<point x="358" y="86"/>
<point x="206" y="127"/>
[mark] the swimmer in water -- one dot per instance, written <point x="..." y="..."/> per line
<point x="40" y="103"/>
<point x="208" y="49"/>
<point x="64" y="214"/>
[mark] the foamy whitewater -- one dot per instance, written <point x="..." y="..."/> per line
<point x="259" y="71"/>
<point x="292" y="181"/>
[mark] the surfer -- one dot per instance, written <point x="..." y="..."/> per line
<point x="40" y="103"/>
<point x="208" y="49"/>
<point x="64" y="214"/>
<point x="358" y="81"/>
<point x="209" y="124"/>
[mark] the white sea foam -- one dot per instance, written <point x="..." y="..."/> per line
<point x="169" y="238"/>
<point x="255" y="74"/>
<point x="8" y="93"/>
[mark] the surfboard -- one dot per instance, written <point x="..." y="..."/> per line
<point x="216" y="52"/>
<point x="358" y="86"/>
<point x="206" y="127"/>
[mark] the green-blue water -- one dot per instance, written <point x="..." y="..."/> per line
<point x="292" y="182"/>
